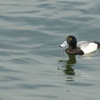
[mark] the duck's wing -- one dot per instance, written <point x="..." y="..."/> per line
<point x="83" y="44"/>
<point x="87" y="47"/>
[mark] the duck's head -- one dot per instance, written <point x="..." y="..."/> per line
<point x="71" y="41"/>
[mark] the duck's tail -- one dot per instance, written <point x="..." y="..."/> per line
<point x="98" y="44"/>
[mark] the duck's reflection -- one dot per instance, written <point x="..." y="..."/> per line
<point x="68" y="67"/>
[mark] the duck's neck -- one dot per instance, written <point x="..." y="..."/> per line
<point x="72" y="47"/>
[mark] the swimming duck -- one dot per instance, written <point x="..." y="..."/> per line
<point x="80" y="48"/>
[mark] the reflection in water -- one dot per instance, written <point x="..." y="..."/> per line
<point x="68" y="67"/>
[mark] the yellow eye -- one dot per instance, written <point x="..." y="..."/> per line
<point x="70" y="38"/>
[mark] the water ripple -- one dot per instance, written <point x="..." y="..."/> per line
<point x="35" y="86"/>
<point x="2" y="69"/>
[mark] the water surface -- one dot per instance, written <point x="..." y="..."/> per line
<point x="30" y="34"/>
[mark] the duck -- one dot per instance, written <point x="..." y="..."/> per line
<point x="79" y="48"/>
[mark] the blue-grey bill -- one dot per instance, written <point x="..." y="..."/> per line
<point x="64" y="44"/>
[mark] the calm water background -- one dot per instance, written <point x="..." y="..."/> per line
<point x="30" y="34"/>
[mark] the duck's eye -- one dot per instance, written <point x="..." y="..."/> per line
<point x="70" y="38"/>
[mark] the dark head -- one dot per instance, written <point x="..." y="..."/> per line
<point x="72" y="42"/>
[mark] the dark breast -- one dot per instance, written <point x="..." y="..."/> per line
<point x="76" y="51"/>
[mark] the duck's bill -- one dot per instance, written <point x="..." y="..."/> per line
<point x="64" y="44"/>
